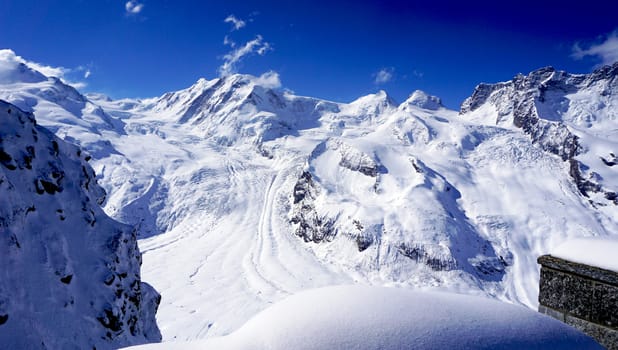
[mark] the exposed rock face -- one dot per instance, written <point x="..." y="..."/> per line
<point x="545" y="105"/>
<point x="70" y="275"/>
<point x="311" y="227"/>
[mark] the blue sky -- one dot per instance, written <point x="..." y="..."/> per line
<point x="328" y="49"/>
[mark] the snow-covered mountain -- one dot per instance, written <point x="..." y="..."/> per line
<point x="70" y="274"/>
<point x="243" y="194"/>
<point x="572" y="116"/>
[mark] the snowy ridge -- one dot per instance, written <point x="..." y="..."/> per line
<point x="62" y="109"/>
<point x="70" y="274"/>
<point x="244" y="194"/>
<point x="236" y="107"/>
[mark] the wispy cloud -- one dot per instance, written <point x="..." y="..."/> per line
<point x="229" y="42"/>
<point x="58" y="72"/>
<point x="231" y="59"/>
<point x="9" y="61"/>
<point x="384" y="75"/>
<point x="269" y="79"/>
<point x="85" y="71"/>
<point x="237" y="23"/>
<point x="133" y="7"/>
<point x="606" y="50"/>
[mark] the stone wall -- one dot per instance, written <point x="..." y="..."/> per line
<point x="583" y="296"/>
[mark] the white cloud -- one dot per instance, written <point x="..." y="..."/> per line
<point x="264" y="49"/>
<point x="78" y="84"/>
<point x="58" y="72"/>
<point x="269" y="80"/>
<point x="384" y="75"/>
<point x="86" y="69"/>
<point x="8" y="56"/>
<point x="133" y="7"/>
<point x="9" y="61"/>
<point x="236" y="22"/>
<point x="231" y="59"/>
<point x="229" y="42"/>
<point x="607" y="50"/>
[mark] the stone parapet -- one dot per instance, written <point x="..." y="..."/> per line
<point x="583" y="296"/>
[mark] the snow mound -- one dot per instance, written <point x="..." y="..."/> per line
<point x="361" y="317"/>
<point x="593" y="251"/>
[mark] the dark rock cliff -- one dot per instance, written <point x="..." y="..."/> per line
<point x="70" y="275"/>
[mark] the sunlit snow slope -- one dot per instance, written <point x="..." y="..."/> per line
<point x="244" y="194"/>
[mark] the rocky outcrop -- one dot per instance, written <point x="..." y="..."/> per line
<point x="70" y="274"/>
<point x="312" y="226"/>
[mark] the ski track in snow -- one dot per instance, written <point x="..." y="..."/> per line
<point x="264" y="253"/>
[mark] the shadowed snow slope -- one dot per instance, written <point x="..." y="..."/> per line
<point x="357" y="317"/>
<point x="244" y="194"/>
<point x="69" y="274"/>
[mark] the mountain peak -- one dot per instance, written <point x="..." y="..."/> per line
<point x="268" y="80"/>
<point x="423" y="100"/>
<point x="381" y="97"/>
